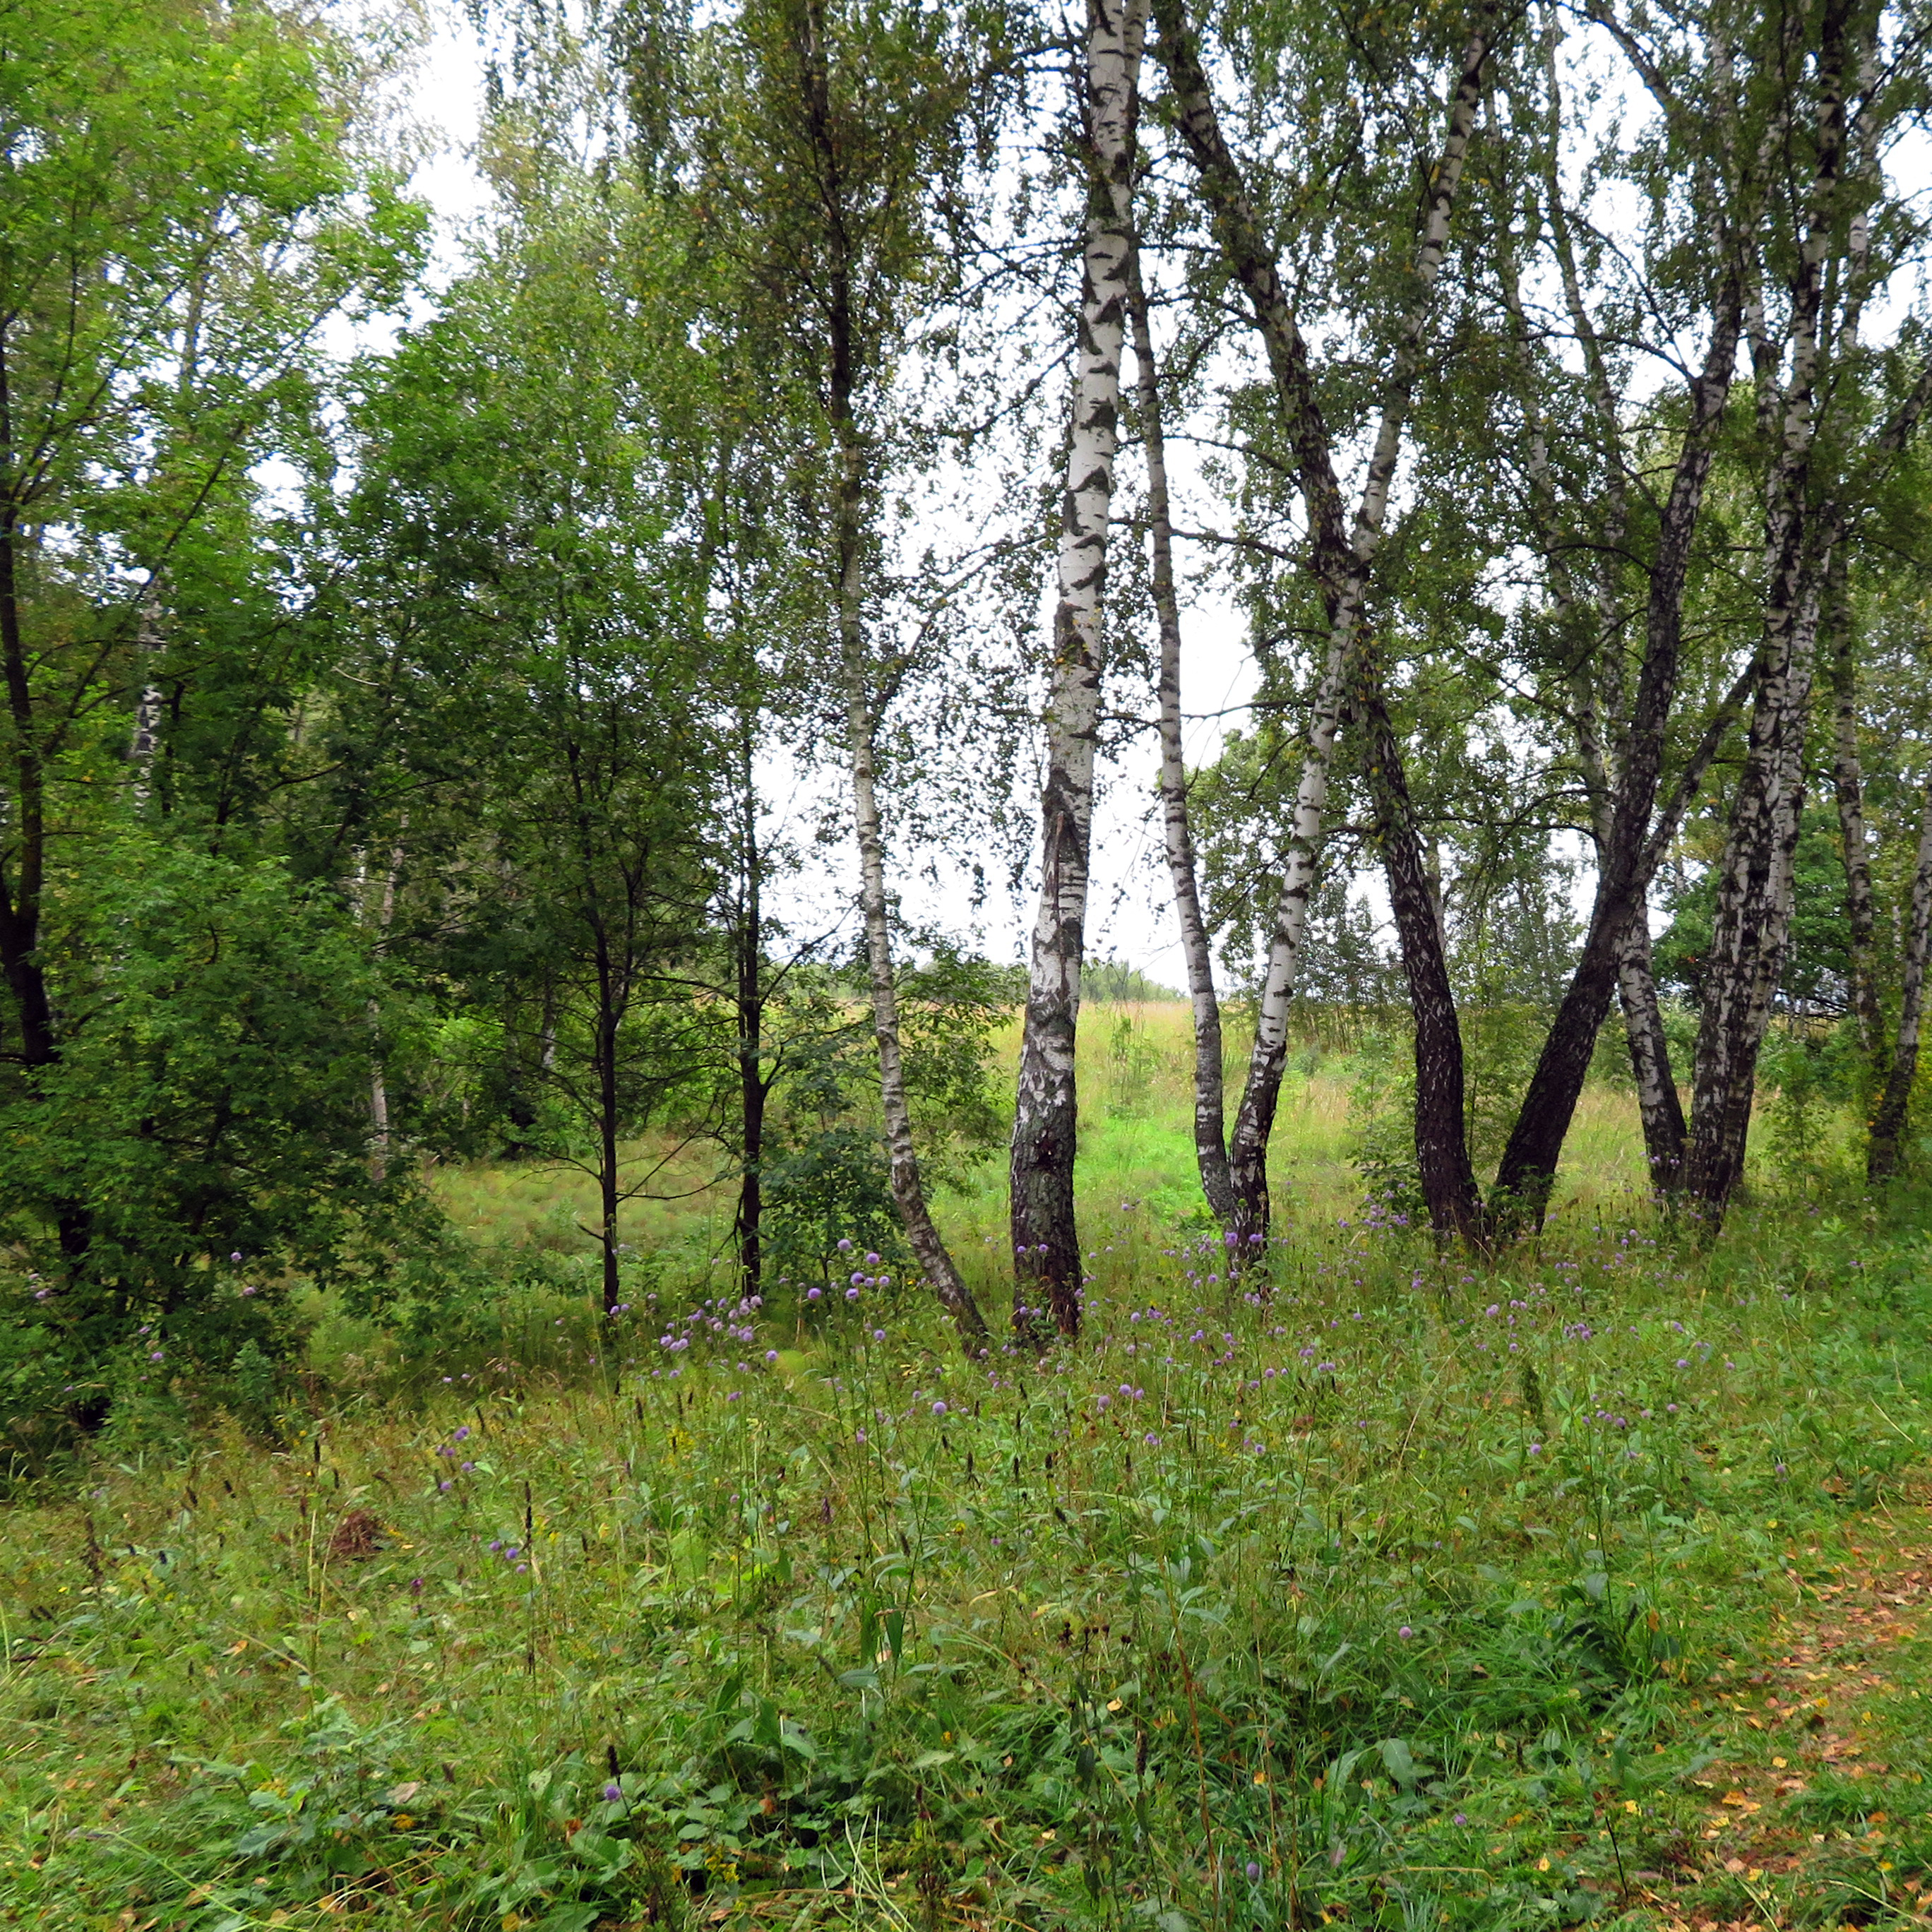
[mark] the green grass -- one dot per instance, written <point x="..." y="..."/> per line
<point x="1356" y="1603"/>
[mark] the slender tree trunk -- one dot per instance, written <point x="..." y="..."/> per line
<point x="908" y="1190"/>
<point x="752" y="1086"/>
<point x="1527" y="1169"/>
<point x="1046" y="1242"/>
<point x="1342" y="564"/>
<point x="611" y="1001"/>
<point x="848" y="535"/>
<point x="1658" y="1106"/>
<point x="1848" y="785"/>
<point x="1210" y="1146"/>
<point x="145" y="740"/>
<point x="1888" y="1118"/>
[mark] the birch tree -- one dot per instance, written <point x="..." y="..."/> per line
<point x="1046" y="1243"/>
<point x="822" y="136"/>
<point x="1342" y="563"/>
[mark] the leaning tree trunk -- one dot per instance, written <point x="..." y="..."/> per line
<point x="1046" y="1243"/>
<point x="1342" y="563"/>
<point x="928" y="1244"/>
<point x="1527" y="1170"/>
<point x="1887" y="1126"/>
<point x="1210" y="1144"/>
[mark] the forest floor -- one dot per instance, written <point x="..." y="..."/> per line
<point x="1592" y="1586"/>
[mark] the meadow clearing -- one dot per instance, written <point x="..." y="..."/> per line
<point x="1370" y="1586"/>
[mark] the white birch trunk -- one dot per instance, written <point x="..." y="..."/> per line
<point x="1046" y="1246"/>
<point x="146" y="739"/>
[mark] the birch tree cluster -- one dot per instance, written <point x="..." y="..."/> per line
<point x="500" y="696"/>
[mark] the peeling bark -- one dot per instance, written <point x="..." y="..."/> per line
<point x="1046" y="1243"/>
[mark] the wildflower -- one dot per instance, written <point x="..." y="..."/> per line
<point x="852" y="1295"/>
<point x="1405" y="1631"/>
<point x="1462" y="1818"/>
<point x="613" y="1792"/>
<point x="844" y="1247"/>
<point x="939" y="1408"/>
<point x="771" y="1354"/>
<point x="415" y="1586"/>
<point x="1536" y="1448"/>
<point x="236" y="1256"/>
<point x="462" y="1434"/>
<point x="444" y="1486"/>
<point x="468" y="1467"/>
<point x="860" y="1437"/>
<point x="1254" y="1869"/>
<point x="811" y="1295"/>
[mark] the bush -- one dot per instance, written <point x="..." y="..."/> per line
<point x="203" y="1141"/>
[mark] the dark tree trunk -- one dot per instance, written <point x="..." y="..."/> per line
<point x="1441" y="1139"/>
<point x="1888" y="1117"/>
<point x="1342" y="563"/>
<point x="1527" y="1169"/>
<point x="752" y="1087"/>
<point x="610" y="1018"/>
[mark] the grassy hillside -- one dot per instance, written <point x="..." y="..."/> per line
<point x="1384" y="1589"/>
